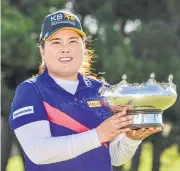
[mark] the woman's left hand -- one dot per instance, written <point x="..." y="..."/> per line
<point x="142" y="133"/>
<point x="139" y="134"/>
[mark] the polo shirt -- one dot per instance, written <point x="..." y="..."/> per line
<point x="67" y="114"/>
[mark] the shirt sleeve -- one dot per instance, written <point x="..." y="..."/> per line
<point x="122" y="149"/>
<point x="27" y="106"/>
<point x="36" y="141"/>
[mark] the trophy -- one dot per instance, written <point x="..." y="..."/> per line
<point x="149" y="99"/>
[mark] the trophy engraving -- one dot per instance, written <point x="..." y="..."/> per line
<point x="149" y="99"/>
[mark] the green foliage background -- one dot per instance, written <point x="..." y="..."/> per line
<point x="133" y="37"/>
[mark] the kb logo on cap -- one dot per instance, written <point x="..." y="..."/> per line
<point x="58" y="18"/>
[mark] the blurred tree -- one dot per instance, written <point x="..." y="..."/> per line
<point x="151" y="45"/>
<point x="21" y="24"/>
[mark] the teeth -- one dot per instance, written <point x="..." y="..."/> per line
<point x="65" y="59"/>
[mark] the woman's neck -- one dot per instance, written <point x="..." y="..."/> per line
<point x="70" y="77"/>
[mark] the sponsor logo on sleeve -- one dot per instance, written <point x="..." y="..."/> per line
<point x="23" y="111"/>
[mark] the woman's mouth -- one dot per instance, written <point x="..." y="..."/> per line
<point x="65" y="59"/>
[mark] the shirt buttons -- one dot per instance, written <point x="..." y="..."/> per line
<point x="75" y="99"/>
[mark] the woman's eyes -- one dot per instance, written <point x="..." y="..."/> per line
<point x="73" y="41"/>
<point x="56" y="43"/>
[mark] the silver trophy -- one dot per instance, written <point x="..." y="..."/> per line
<point x="149" y="99"/>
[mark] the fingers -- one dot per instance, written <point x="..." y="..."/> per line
<point x="157" y="129"/>
<point x="117" y="132"/>
<point x="132" y="132"/>
<point x="121" y="131"/>
<point x="122" y="121"/>
<point x="121" y="108"/>
<point x="124" y="124"/>
<point x="118" y="115"/>
<point x="129" y="107"/>
<point x="144" y="132"/>
<point x="138" y="134"/>
<point x="151" y="129"/>
<point x="141" y="131"/>
<point x="117" y="108"/>
<point x="124" y="118"/>
<point x="154" y="130"/>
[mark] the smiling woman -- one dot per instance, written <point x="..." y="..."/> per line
<point x="52" y="116"/>
<point x="63" y="54"/>
<point x="75" y="40"/>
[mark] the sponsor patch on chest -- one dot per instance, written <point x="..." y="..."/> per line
<point x="94" y="104"/>
<point x="23" y="111"/>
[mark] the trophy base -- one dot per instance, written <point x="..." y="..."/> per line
<point x="146" y="118"/>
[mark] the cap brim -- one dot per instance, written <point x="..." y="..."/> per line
<point x="66" y="28"/>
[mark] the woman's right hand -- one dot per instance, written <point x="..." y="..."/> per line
<point x="114" y="126"/>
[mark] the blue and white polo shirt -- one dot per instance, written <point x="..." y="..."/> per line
<point x="40" y="98"/>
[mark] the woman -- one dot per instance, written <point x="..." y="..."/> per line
<point x="53" y="115"/>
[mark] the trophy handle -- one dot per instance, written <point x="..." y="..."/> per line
<point x="103" y="88"/>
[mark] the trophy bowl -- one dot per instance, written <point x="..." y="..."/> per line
<point x="149" y="99"/>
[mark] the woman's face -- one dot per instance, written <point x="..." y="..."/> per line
<point x="63" y="54"/>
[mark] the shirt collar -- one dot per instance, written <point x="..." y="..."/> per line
<point x="48" y="81"/>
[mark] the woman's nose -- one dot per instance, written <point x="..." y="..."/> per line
<point x="65" y="50"/>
